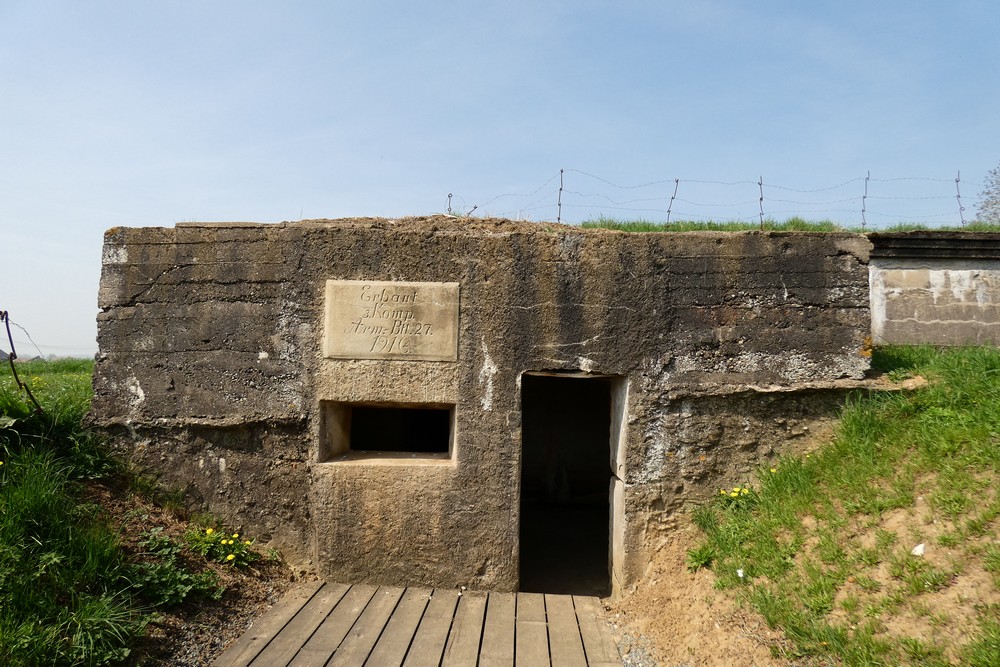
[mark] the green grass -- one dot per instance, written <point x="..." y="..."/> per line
<point x="917" y="227"/>
<point x="790" y="225"/>
<point x="815" y="532"/>
<point x="70" y="593"/>
<point x="794" y="224"/>
<point x="64" y="599"/>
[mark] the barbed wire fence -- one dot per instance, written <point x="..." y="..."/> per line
<point x="12" y="357"/>
<point x="573" y="195"/>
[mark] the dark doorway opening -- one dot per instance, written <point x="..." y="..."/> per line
<point x="565" y="484"/>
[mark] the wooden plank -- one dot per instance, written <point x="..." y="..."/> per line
<point x="332" y="631"/>
<point x="358" y="644"/>
<point x="531" y="645"/>
<point x="295" y="633"/>
<point x="463" y="642"/>
<point x="531" y="607"/>
<point x="395" y="640"/>
<point x="565" y="644"/>
<point x="597" y="641"/>
<point x="432" y="633"/>
<point x="498" y="631"/>
<point x="265" y="628"/>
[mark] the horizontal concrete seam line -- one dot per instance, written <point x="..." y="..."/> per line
<point x="219" y="280"/>
<point x="171" y="423"/>
<point x="254" y="350"/>
<point x="198" y="302"/>
<point x="919" y="320"/>
<point x="571" y="305"/>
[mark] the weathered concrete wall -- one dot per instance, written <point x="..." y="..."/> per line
<point x="936" y="288"/>
<point x="211" y="371"/>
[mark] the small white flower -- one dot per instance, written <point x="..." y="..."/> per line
<point x="739" y="573"/>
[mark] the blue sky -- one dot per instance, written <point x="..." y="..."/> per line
<point x="148" y="114"/>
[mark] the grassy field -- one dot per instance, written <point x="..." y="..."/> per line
<point x="789" y="225"/>
<point x="880" y="547"/>
<point x="75" y="590"/>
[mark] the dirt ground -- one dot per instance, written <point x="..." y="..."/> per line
<point x="194" y="633"/>
<point x="683" y="621"/>
<point x="678" y="617"/>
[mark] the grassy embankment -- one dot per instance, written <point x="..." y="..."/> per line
<point x="880" y="547"/>
<point x="71" y="593"/>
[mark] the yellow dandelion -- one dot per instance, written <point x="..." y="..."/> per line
<point x="733" y="494"/>
<point x="736" y="489"/>
<point x="722" y="491"/>
<point x="209" y="531"/>
<point x="247" y="542"/>
<point x="235" y="535"/>
<point x="774" y="470"/>
<point x="230" y="557"/>
<point x="744" y="491"/>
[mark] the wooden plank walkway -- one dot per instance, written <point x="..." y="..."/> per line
<point x="385" y="626"/>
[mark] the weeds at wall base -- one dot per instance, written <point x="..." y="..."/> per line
<point x="72" y="592"/>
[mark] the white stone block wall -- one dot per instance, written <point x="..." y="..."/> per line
<point x="938" y="301"/>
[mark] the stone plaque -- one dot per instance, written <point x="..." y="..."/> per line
<point x="368" y="319"/>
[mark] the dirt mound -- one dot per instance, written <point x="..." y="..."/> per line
<point x="683" y="621"/>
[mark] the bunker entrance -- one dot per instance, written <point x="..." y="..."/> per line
<point x="568" y="450"/>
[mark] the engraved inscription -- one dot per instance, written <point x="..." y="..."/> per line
<point x="391" y="320"/>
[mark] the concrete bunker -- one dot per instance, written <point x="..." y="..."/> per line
<point x="398" y="401"/>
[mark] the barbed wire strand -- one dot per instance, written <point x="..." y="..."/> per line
<point x="38" y="346"/>
<point x="615" y="185"/>
<point x="613" y="201"/>
<point x="912" y="178"/>
<point x="514" y="194"/>
<point x="5" y="318"/>
<point x="833" y="187"/>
